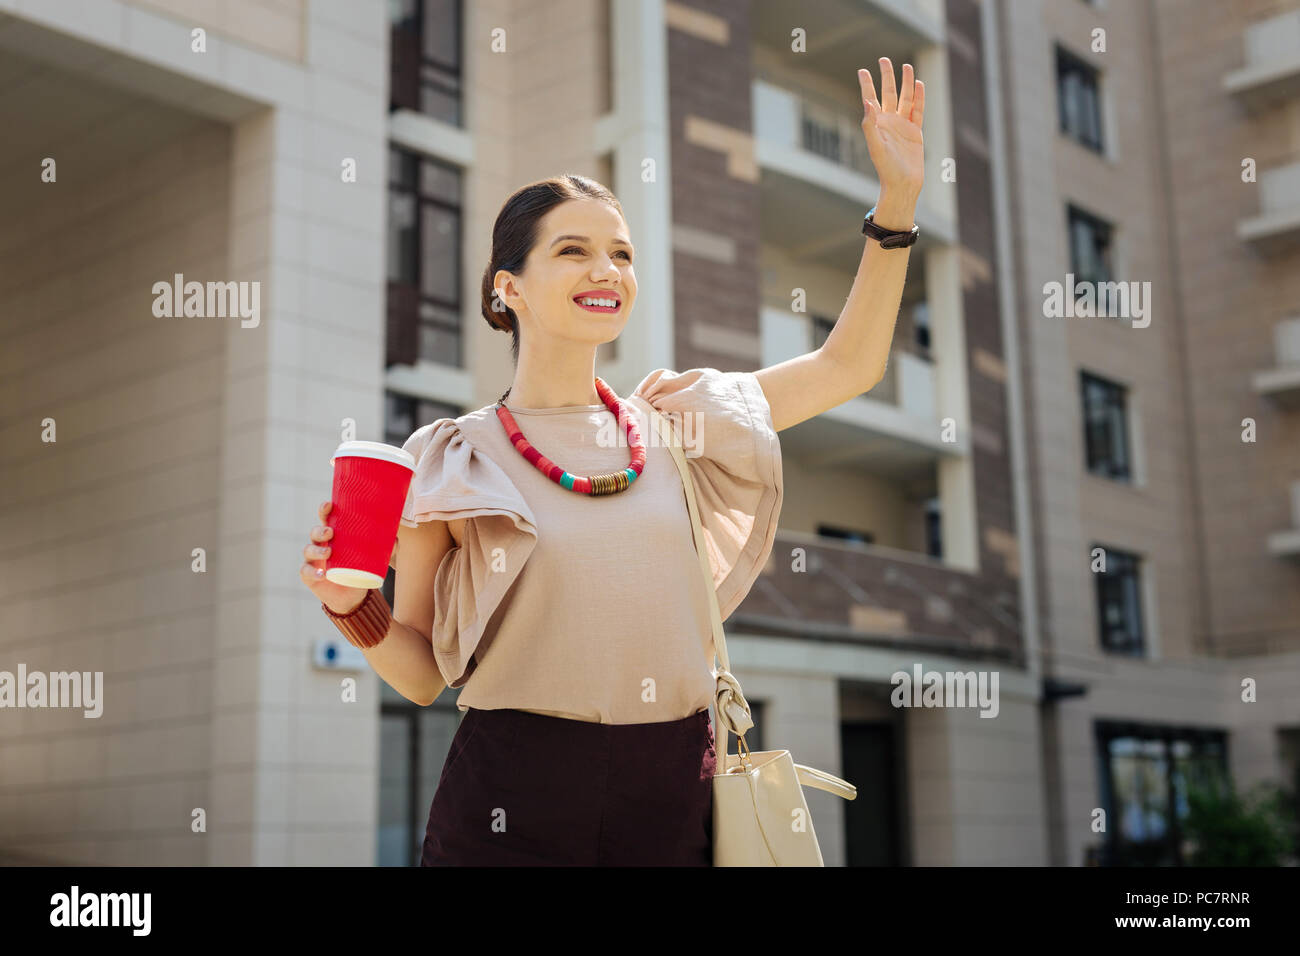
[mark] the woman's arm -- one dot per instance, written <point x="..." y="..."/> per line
<point x="853" y="358"/>
<point x="404" y="659"/>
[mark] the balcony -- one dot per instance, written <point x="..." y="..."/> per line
<point x="1277" y="227"/>
<point x="839" y="31"/>
<point x="1282" y="384"/>
<point x="814" y="163"/>
<point x="882" y="596"/>
<point x="1286" y="543"/>
<point x="893" y="431"/>
<point x="1271" y="74"/>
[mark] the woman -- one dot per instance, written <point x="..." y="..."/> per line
<point x="546" y="565"/>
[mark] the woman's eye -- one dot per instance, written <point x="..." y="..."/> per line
<point x="576" y="249"/>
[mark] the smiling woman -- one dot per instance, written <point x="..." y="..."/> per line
<point x="563" y="236"/>
<point x="569" y="605"/>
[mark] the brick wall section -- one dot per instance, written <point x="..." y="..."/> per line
<point x="958" y="612"/>
<point x="984" y="347"/>
<point x="711" y="82"/>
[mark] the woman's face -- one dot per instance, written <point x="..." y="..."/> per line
<point x="583" y="249"/>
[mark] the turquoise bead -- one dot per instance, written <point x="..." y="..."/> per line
<point x="566" y="480"/>
<point x="631" y="475"/>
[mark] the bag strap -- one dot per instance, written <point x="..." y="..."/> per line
<point x="734" y="715"/>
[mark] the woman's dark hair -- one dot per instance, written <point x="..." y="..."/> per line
<point x="515" y="233"/>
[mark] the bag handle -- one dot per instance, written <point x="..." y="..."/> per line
<point x="734" y="715"/>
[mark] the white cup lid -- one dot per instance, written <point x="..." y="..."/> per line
<point x="374" y="449"/>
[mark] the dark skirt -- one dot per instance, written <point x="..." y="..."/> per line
<point x="523" y="789"/>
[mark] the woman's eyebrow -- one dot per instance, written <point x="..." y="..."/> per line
<point x="617" y="242"/>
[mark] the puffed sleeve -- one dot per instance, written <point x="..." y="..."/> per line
<point x="453" y="480"/>
<point x="734" y="458"/>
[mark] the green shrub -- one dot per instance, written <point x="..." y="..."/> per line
<point x="1225" y="828"/>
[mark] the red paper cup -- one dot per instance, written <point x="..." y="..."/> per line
<point x="370" y="484"/>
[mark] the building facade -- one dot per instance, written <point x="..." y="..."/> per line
<point x="347" y="161"/>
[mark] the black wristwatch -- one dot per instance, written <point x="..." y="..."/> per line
<point x="888" y="238"/>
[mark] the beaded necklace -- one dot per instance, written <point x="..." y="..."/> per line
<point x="603" y="484"/>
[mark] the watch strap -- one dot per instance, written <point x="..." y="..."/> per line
<point x="888" y="238"/>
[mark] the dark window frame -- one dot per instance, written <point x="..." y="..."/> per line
<point x="422" y="411"/>
<point x="846" y="535"/>
<point x="416" y="813"/>
<point x="1115" y="462"/>
<point x="1209" y="750"/>
<point x="1089" y="82"/>
<point x="414" y="70"/>
<point x="1121" y="579"/>
<point x="407" y="301"/>
<point x="821" y="329"/>
<point x="922" y="332"/>
<point x="934" y="528"/>
<point x="1103" y="238"/>
<point x="397" y="435"/>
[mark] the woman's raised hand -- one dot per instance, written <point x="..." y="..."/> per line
<point x="892" y="126"/>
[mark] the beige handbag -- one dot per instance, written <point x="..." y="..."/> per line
<point x="760" y="817"/>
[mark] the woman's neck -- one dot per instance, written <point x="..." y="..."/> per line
<point x="556" y="381"/>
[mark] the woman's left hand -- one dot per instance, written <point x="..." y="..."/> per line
<point x="893" y="129"/>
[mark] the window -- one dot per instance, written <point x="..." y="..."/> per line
<point x="845" y="534"/>
<point x="413" y="745"/>
<point x="403" y="414"/>
<point x="933" y="528"/>
<point x="1105" y="427"/>
<point x="424" y="260"/>
<point x="425" y="45"/>
<point x="921" y="325"/>
<point x="1145" y="773"/>
<point x="1119" y="604"/>
<point x="1090" y="247"/>
<point x="413" y="740"/>
<point x="1078" y="100"/>
<point x="821" y="330"/>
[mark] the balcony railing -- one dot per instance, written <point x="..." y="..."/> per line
<point x="1282" y="383"/>
<point x="832" y="134"/>
<point x="804" y="135"/>
<point x="1286" y="543"/>
<point x="1278" y="222"/>
<point x="1271" y="74"/>
<point x="896" y="423"/>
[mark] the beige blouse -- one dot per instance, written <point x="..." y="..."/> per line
<point x="585" y="607"/>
